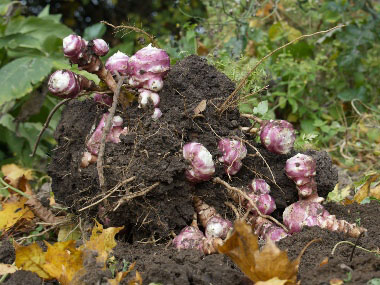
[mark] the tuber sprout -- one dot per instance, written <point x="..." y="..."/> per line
<point x="156" y="114"/>
<point x="233" y="152"/>
<point x="118" y="62"/>
<point x="201" y="164"/>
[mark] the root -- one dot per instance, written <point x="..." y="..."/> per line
<point x="131" y="196"/>
<point x="135" y="29"/>
<point x="106" y="130"/>
<point x="47" y="122"/>
<point x="227" y="103"/>
<point x="246" y="197"/>
<point x="109" y="194"/>
<point x="375" y="251"/>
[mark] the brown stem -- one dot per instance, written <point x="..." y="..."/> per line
<point x="52" y="112"/>
<point x="105" y="133"/>
<point x="252" y="203"/>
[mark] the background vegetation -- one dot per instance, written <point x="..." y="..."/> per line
<point x="326" y="85"/>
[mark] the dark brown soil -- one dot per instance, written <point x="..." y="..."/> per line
<point x="152" y="152"/>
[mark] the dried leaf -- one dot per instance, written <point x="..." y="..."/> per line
<point x="338" y="195"/>
<point x="324" y="262"/>
<point x="269" y="264"/>
<point x="336" y="281"/>
<point x="121" y="275"/>
<point x="14" y="211"/>
<point x="200" y="107"/>
<point x="102" y="241"/>
<point x="375" y="192"/>
<point x="7" y="268"/>
<point x="364" y="190"/>
<point x="14" y="172"/>
<point x="41" y="211"/>
<point x="31" y="258"/>
<point x="63" y="260"/>
<point x="240" y="247"/>
<point x="69" y="232"/>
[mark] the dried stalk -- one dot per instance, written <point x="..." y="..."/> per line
<point x="106" y="130"/>
<point x="252" y="203"/>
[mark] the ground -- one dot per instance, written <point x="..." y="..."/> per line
<point x="151" y="152"/>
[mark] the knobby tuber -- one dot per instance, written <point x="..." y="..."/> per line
<point x="234" y="151"/>
<point x="201" y="164"/>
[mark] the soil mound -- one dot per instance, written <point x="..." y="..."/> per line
<point x="151" y="152"/>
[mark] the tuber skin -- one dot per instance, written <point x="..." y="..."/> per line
<point x="93" y="143"/>
<point x="310" y="213"/>
<point x="215" y="226"/>
<point x="100" y="47"/>
<point x="260" y="195"/>
<point x="66" y="84"/>
<point x="74" y="47"/>
<point x="104" y="99"/>
<point x="234" y="151"/>
<point x="301" y="168"/>
<point x="146" y="96"/>
<point x="201" y="164"/>
<point x="277" y="136"/>
<point x="147" y="67"/>
<point x="118" y="62"/>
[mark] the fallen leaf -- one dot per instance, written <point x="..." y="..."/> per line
<point x="63" y="260"/>
<point x="268" y="264"/>
<point x="121" y="275"/>
<point x="69" y="232"/>
<point x="364" y="190"/>
<point x="14" y="172"/>
<point x="31" y="258"/>
<point x="375" y="192"/>
<point x="200" y="107"/>
<point x="273" y="281"/>
<point x="338" y="195"/>
<point x="14" y="211"/>
<point x="7" y="268"/>
<point x="102" y="241"/>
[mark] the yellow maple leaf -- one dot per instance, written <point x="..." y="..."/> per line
<point x="31" y="258"/>
<point x="269" y="264"/>
<point x="102" y="241"/>
<point x="375" y="192"/>
<point x="63" y="260"/>
<point x="14" y="172"/>
<point x="13" y="211"/>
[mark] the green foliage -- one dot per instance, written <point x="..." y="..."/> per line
<point x="312" y="82"/>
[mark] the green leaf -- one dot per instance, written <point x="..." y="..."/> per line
<point x="19" y="40"/>
<point x="375" y="281"/>
<point x="19" y="76"/>
<point x="261" y="108"/>
<point x="94" y="32"/>
<point x="275" y="31"/>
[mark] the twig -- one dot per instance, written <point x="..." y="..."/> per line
<point x="225" y="105"/>
<point x="252" y="117"/>
<point x="130" y="196"/>
<point x="106" y="130"/>
<point x="47" y="122"/>
<point x="110" y="193"/>
<point x="38" y="234"/>
<point x="376" y="251"/>
<point x="137" y="30"/>
<point x="245" y="196"/>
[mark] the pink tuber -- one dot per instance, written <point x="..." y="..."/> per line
<point x="201" y="164"/>
<point x="301" y="168"/>
<point x="233" y="152"/>
<point x="146" y="96"/>
<point x="100" y="47"/>
<point x="74" y="47"/>
<point x="118" y="62"/>
<point x="260" y="195"/>
<point x="215" y="226"/>
<point x="67" y="84"/>
<point x="309" y="213"/>
<point x="147" y="67"/>
<point x="93" y="143"/>
<point x="277" y="136"/>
